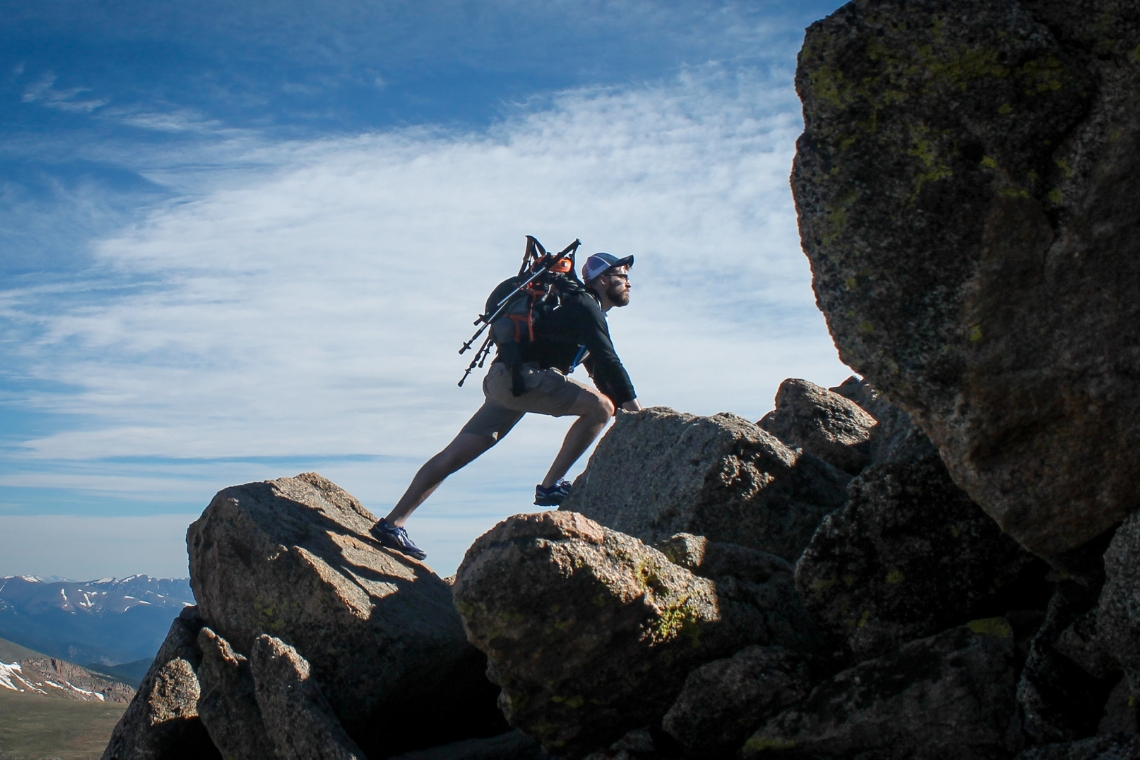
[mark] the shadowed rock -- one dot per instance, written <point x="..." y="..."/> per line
<point x="1059" y="700"/>
<point x="967" y="184"/>
<point x="659" y="472"/>
<point x="724" y="701"/>
<point x="1118" y="611"/>
<point x="1117" y="746"/>
<point x="295" y="712"/>
<point x="161" y="722"/>
<point x="293" y="558"/>
<point x="589" y="632"/>
<point x="946" y="696"/>
<point x="908" y="556"/>
<point x="823" y="423"/>
<point x="228" y="703"/>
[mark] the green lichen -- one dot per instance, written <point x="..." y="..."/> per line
<point x="863" y="619"/>
<point x="766" y="743"/>
<point x="895" y="577"/>
<point x="1064" y="166"/>
<point x="1014" y="192"/>
<point x="1055" y="197"/>
<point x="997" y="627"/>
<point x="849" y="580"/>
<point x="975" y="336"/>
<point x="989" y="163"/>
<point x="866" y="327"/>
<point x="574" y="703"/>
<point x="1005" y="109"/>
<point x="823" y="584"/>
<point x="1045" y="75"/>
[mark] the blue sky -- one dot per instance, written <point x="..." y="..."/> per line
<point x="242" y="242"/>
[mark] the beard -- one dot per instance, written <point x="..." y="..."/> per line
<point x="617" y="296"/>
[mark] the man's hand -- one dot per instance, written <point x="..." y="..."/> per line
<point x="632" y="406"/>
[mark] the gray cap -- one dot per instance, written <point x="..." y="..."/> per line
<point x="600" y="262"/>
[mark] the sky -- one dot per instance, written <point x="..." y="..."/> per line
<point x="241" y="242"/>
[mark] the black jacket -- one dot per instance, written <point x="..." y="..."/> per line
<point x="579" y="321"/>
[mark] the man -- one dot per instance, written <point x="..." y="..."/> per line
<point x="579" y="322"/>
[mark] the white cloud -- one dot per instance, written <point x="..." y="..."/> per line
<point x="43" y="91"/>
<point x="315" y="307"/>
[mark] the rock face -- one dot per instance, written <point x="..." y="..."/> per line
<point x="293" y="558"/>
<point x="724" y="701"/>
<point x="1059" y="700"/>
<point x="1116" y="746"/>
<point x="824" y="423"/>
<point x="228" y="701"/>
<point x="910" y="555"/>
<point x="293" y="708"/>
<point x="589" y="632"/>
<point x="947" y="696"/>
<point x="1118" y="613"/>
<point x="658" y="473"/>
<point x="966" y="186"/>
<point x="162" y="723"/>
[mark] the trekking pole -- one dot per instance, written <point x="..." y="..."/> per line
<point x="480" y="357"/>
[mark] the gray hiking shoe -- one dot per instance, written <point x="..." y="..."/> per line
<point x="396" y="538"/>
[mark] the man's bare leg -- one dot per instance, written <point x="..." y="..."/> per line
<point x="459" y="453"/>
<point x="593" y="410"/>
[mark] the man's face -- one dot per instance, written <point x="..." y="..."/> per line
<point x="615" y="284"/>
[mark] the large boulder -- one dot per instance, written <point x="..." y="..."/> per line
<point x="967" y="185"/>
<point x="947" y="696"/>
<point x="161" y="722"/>
<point x="659" y="472"/>
<point x="724" y="701"/>
<point x="910" y="555"/>
<point x="293" y="558"/>
<point x="824" y="423"/>
<point x="590" y="632"/>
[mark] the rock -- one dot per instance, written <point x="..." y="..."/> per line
<point x="589" y="632"/>
<point x="658" y="473"/>
<point x="295" y="712"/>
<point x="293" y="558"/>
<point x="1110" y="747"/>
<point x="947" y="696"/>
<point x="1080" y="642"/>
<point x="823" y="423"/>
<point x="892" y="426"/>
<point x="1118" y="611"/>
<point x="228" y="701"/>
<point x="966" y="186"/>
<point x="513" y="745"/>
<point x="1059" y="701"/>
<point x="764" y="579"/>
<point x="161" y="722"/>
<point x="1120" y="711"/>
<point x="724" y="701"/>
<point x="910" y="555"/>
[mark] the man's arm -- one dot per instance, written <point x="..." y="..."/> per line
<point x="632" y="405"/>
<point x="602" y="363"/>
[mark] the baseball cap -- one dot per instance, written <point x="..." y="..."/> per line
<point x="600" y="262"/>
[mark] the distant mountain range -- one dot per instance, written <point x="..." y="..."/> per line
<point x="112" y="625"/>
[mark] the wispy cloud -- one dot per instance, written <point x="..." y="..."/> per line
<point x="314" y="307"/>
<point x="42" y="91"/>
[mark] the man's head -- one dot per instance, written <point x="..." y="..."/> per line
<point x="608" y="276"/>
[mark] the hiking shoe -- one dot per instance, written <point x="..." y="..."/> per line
<point x="553" y="496"/>
<point x="396" y="538"/>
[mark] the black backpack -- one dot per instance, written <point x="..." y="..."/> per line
<point x="517" y="306"/>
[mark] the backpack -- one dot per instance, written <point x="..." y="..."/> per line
<point x="518" y="305"/>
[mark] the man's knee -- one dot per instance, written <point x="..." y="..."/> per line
<point x="603" y="409"/>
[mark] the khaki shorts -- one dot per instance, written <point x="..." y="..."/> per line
<point x="548" y="392"/>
